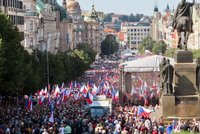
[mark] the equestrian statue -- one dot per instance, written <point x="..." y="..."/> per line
<point x="182" y="22"/>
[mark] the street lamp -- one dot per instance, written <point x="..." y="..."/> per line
<point x="47" y="52"/>
<point x="121" y="92"/>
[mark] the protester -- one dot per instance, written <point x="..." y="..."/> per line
<point x="63" y="110"/>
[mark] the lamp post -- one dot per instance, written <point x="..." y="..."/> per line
<point x="47" y="52"/>
<point x="121" y="92"/>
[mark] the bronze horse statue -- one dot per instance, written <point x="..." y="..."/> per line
<point x="182" y="22"/>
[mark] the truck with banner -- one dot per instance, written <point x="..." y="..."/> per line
<point x="100" y="106"/>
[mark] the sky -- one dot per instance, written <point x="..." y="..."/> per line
<point x="127" y="6"/>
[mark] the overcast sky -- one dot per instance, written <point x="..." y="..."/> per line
<point x="127" y="6"/>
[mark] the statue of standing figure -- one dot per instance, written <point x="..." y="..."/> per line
<point x="161" y="65"/>
<point x="168" y="74"/>
<point x="182" y="22"/>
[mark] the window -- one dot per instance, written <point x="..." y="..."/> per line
<point x="31" y="41"/>
<point x="31" y="25"/>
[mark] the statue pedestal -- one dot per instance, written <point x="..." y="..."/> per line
<point x="183" y="107"/>
<point x="184" y="81"/>
<point x="168" y="106"/>
<point x="185" y="104"/>
<point x="182" y="56"/>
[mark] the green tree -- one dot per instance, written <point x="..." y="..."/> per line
<point x="123" y="18"/>
<point x="196" y="53"/>
<point x="108" y="17"/>
<point x="138" y="17"/>
<point x="170" y="52"/>
<point x="131" y="18"/>
<point x="12" y="57"/>
<point x="109" y="45"/>
<point x="24" y="73"/>
<point x="146" y="44"/>
<point x="88" y="52"/>
<point x="159" y="47"/>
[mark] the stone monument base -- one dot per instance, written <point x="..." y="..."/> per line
<point x="184" y="81"/>
<point x="183" y="56"/>
<point x="168" y="105"/>
<point x="187" y="106"/>
<point x="180" y="106"/>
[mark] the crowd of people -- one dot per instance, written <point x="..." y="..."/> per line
<point x="73" y="116"/>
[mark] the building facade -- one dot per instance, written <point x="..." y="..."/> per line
<point x="194" y="39"/>
<point x="155" y="35"/>
<point x="93" y="30"/>
<point x="15" y="10"/>
<point x="74" y="12"/>
<point x="53" y="27"/>
<point x="134" y="33"/>
<point x="31" y="21"/>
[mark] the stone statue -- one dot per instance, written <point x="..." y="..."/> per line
<point x="198" y="75"/>
<point x="161" y="65"/>
<point x="182" y="21"/>
<point x="168" y="73"/>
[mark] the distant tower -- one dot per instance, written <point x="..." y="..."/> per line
<point x="155" y="23"/>
<point x="94" y="14"/>
<point x="64" y="4"/>
<point x="167" y="10"/>
<point x="156" y="7"/>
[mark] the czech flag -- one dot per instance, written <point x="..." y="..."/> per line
<point x="89" y="98"/>
<point x="144" y="112"/>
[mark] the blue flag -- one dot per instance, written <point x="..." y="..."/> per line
<point x="169" y="129"/>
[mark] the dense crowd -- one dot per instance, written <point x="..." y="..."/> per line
<point x="73" y="117"/>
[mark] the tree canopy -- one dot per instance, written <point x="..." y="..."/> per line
<point x="155" y="47"/>
<point x="127" y="18"/>
<point x="109" y="45"/>
<point x="24" y="73"/>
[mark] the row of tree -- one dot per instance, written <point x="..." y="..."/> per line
<point x="124" y="18"/>
<point x="160" y="47"/>
<point x="21" y="72"/>
<point x="155" y="47"/>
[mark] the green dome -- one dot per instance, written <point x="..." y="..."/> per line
<point x="40" y="4"/>
<point x="63" y="13"/>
